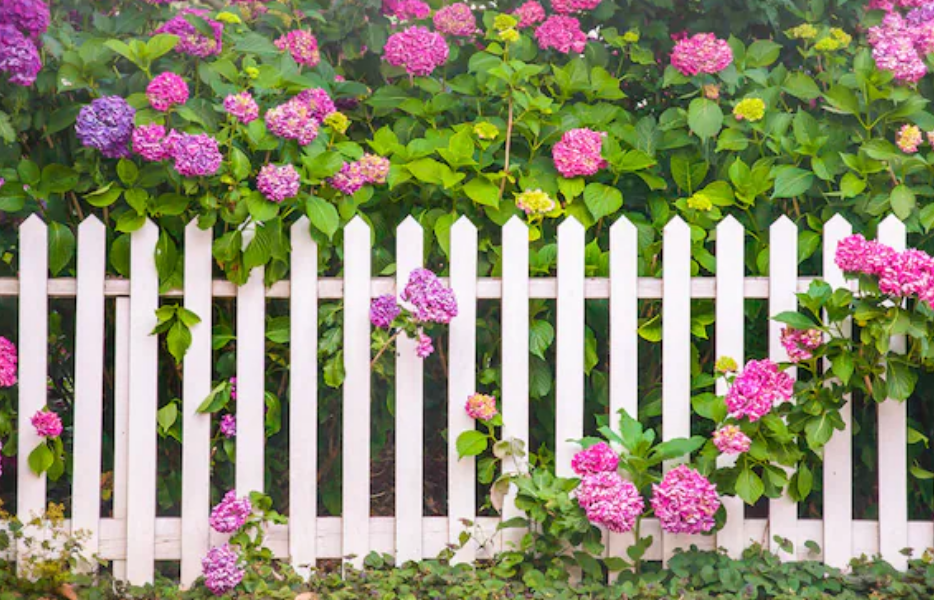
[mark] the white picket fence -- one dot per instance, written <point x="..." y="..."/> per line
<point x="135" y="536"/>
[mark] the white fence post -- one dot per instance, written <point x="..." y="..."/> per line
<point x="569" y="384"/>
<point x="121" y="425"/>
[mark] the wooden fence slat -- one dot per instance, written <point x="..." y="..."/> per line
<point x="730" y="327"/>
<point x="33" y="354"/>
<point x="89" y="384"/>
<point x="569" y="377"/>
<point x="121" y="421"/>
<point x="303" y="393"/>
<point x="462" y="350"/>
<point x="515" y="333"/>
<point x="356" y="426"/>
<point x="783" y="273"/>
<point x="251" y="380"/>
<point x="893" y="444"/>
<point x="409" y="409"/>
<point x="196" y="385"/>
<point x="838" y="453"/>
<point x="144" y="383"/>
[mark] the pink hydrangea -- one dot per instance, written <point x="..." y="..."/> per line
<point x="222" y="572"/>
<point x="432" y="302"/>
<point x="909" y="138"/>
<point x="190" y="40"/>
<point x="800" y="343"/>
<point x="47" y="424"/>
<point x="417" y="49"/>
<point x="685" y="501"/>
<point x="166" y="90"/>
<point x="610" y="501"/>
<point x="302" y="45"/>
<point x="242" y="106"/>
<point x="599" y="458"/>
<point x="424" y="348"/>
<point x="318" y="102"/>
<point x="701" y="53"/>
<point x="481" y="407"/>
<point x="229" y="426"/>
<point x="293" y="120"/>
<point x="230" y="515"/>
<point x="561" y="33"/>
<point x="909" y="273"/>
<point x="8" y="356"/>
<point x="567" y="7"/>
<point x="579" y="153"/>
<point x="406" y="10"/>
<point x="196" y="155"/>
<point x="278" y="183"/>
<point x="730" y="439"/>
<point x="529" y="14"/>
<point x="375" y="169"/>
<point x="349" y="179"/>
<point x="899" y="46"/>
<point x="233" y="388"/>
<point x="456" y="19"/>
<point x="856" y="254"/>
<point x="149" y="142"/>
<point x="383" y="311"/>
<point x="757" y="389"/>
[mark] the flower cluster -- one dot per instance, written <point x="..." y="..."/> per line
<point x="166" y="90"/>
<point x="855" y="254"/>
<point x="909" y="138"/>
<point x="432" y="302"/>
<point x="370" y="169"/>
<point x="8" y="357"/>
<point x="561" y="33"/>
<point x="190" y="40"/>
<point x="610" y="501"/>
<point x="906" y="274"/>
<point x="278" y="183"/>
<point x="196" y="155"/>
<point x="229" y="426"/>
<point x="535" y="202"/>
<point x="804" y="31"/>
<point x="579" y="153"/>
<point x="456" y="19"/>
<point x="760" y="386"/>
<point x="221" y="569"/>
<point x="107" y="125"/>
<point x="700" y="54"/>
<point x="481" y="407"/>
<point x="800" y="343"/>
<point x="19" y="57"/>
<point x="383" y="310"/>
<point x="242" y="106"/>
<point x="302" y="45"/>
<point x="151" y="142"/>
<point x="835" y="40"/>
<point x="47" y="424"/>
<point x="406" y="10"/>
<point x="567" y="7"/>
<point x="230" y="515"/>
<point x="900" y="46"/>
<point x="750" y="109"/>
<point x="700" y="201"/>
<point x="417" y="49"/>
<point x="28" y="16"/>
<point x="299" y="118"/>
<point x="529" y="14"/>
<point x="599" y="458"/>
<point x="730" y="439"/>
<point x="685" y="501"/>
<point x="424" y="348"/>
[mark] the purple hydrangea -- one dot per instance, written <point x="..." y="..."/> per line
<point x="432" y="302"/>
<point x="29" y="16"/>
<point x="231" y="513"/>
<point x="190" y="40"/>
<point x="349" y="179"/>
<point x="424" y="347"/>
<point x="19" y="57"/>
<point x="196" y="155"/>
<point x="221" y="571"/>
<point x="229" y="426"/>
<point x="599" y="458"/>
<point x="107" y="125"/>
<point x="293" y="120"/>
<point x="383" y="310"/>
<point x="278" y="183"/>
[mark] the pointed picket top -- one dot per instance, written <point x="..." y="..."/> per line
<point x="149" y="228"/>
<point x="622" y="226"/>
<point x="676" y="226"/>
<point x="301" y="226"/>
<point x="91" y="224"/>
<point x="515" y="224"/>
<point x="839" y="225"/>
<point x="570" y="224"/>
<point x="463" y="227"/>
<point x="409" y="226"/>
<point x="783" y="224"/>
<point x="356" y="226"/>
<point x="33" y="223"/>
<point x="192" y="226"/>
<point x="729" y="225"/>
<point x="892" y="232"/>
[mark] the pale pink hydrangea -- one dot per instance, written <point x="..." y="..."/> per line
<point x="909" y="138"/>
<point x="599" y="458"/>
<point x="685" y="501"/>
<point x="302" y="45"/>
<point x="567" y="7"/>
<point x="456" y="19"/>
<point x="167" y="90"/>
<point x="730" y="439"/>
<point x="579" y="153"/>
<point x="610" y="501"/>
<point x="481" y="407"/>
<point x="47" y="424"/>
<point x="899" y="47"/>
<point x="701" y="53"/>
<point x="278" y="183"/>
<point x="417" y="49"/>
<point x="561" y="33"/>
<point x="757" y="389"/>
<point x="242" y="106"/>
<point x="230" y="515"/>
<point x="529" y="14"/>
<point x="800" y="343"/>
<point x="8" y="356"/>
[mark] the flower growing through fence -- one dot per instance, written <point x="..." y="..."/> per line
<point x="481" y="407"/>
<point x="800" y="343"/>
<point x="48" y="455"/>
<point x="757" y="389"/>
<point x="8" y="363"/>
<point x="730" y="439"/>
<point x="229" y="426"/>
<point x="231" y="513"/>
<point x="685" y="501"/>
<point x="221" y="568"/>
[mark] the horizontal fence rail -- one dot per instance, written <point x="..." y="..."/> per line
<point x="135" y="537"/>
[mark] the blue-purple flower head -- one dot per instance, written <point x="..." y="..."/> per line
<point x="29" y="16"/>
<point x="107" y="125"/>
<point x="431" y="301"/>
<point x="19" y="57"/>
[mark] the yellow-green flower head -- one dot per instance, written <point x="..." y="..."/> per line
<point x="535" y="202"/>
<point x="700" y="201"/>
<point x="751" y="109"/>
<point x="509" y="35"/>
<point x="485" y="130"/>
<point x="631" y="36"/>
<point x="836" y="40"/>
<point x="337" y="121"/>
<point x="725" y="364"/>
<point x="228" y="17"/>
<point x="805" y="31"/>
<point x="251" y="72"/>
<point x="504" y="22"/>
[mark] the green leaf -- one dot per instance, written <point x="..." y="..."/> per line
<point x="28" y="172"/>
<point x="323" y="215"/>
<point x="801" y="86"/>
<point x="59" y="179"/>
<point x="571" y="188"/>
<point x="167" y="416"/>
<point x="127" y="171"/>
<point x="178" y="341"/>
<point x="705" y="117"/>
<point x="749" y="486"/>
<point x="104" y="196"/>
<point x="427" y="170"/>
<point x="602" y="200"/>
<point x="651" y="330"/>
<point x="677" y="448"/>
<point x="796" y="320"/>
<point x="239" y="164"/>
<point x="471" y="443"/>
<point x="40" y="459"/>
<point x="903" y="201"/>
<point x="260" y="208"/>
<point x="818" y="431"/>
<point x="482" y="192"/>
<point x="791" y="182"/>
<point x="843" y="366"/>
<point x="217" y="400"/>
<point x="762" y="53"/>
<point x="840" y="99"/>
<point x="900" y="379"/>
<point x="61" y="246"/>
<point x="541" y="336"/>
<point x="159" y="45"/>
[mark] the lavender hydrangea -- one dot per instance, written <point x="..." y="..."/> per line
<point x="231" y="513"/>
<point x="432" y="302"/>
<point x="19" y="57"/>
<point x="196" y="155"/>
<point x="383" y="310"/>
<point x="229" y="426"/>
<point x="190" y="40"/>
<point x="107" y="125"/>
<point x="278" y="183"/>
<point x="221" y="570"/>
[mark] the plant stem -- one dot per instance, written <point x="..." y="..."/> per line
<point x="502" y="183"/>
<point x="385" y="346"/>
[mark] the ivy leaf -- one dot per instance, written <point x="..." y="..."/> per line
<point x="471" y="443"/>
<point x="41" y="459"/>
<point x="705" y="118"/>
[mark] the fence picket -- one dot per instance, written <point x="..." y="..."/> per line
<point x="251" y="380"/>
<point x="409" y="409"/>
<point x="569" y="381"/>
<point x="356" y="426"/>
<point x="515" y="333"/>
<point x="462" y="495"/>
<point x="730" y="328"/>
<point x="893" y="444"/>
<point x="783" y="279"/>
<point x="144" y="383"/>
<point x="838" y="453"/>
<point x="121" y="422"/>
<point x="196" y="385"/>
<point x="303" y="394"/>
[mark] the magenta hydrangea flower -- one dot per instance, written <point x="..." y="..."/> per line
<point x="383" y="311"/>
<point x="196" y="155"/>
<point x="800" y="343"/>
<point x="221" y="570"/>
<point x="242" y="106"/>
<point x="856" y="254"/>
<point x="730" y="439"/>
<point x="233" y="388"/>
<point x="610" y="501"/>
<point x="190" y="40"/>
<point x="599" y="458"/>
<point x="567" y="7"/>
<point x="899" y="46"/>
<point x="685" y="501"/>
<point x="8" y="356"/>
<point x="909" y="273"/>
<point x="424" y="347"/>
<point x="107" y="125"/>
<point x="579" y="153"/>
<point x="701" y="53"/>
<point x="456" y="19"/>
<point x="47" y="424"/>
<point x="406" y="10"/>
<point x="432" y="302"/>
<point x="293" y="120"/>
<point x="561" y="33"/>
<point x="375" y="169"/>
<point x="417" y="49"/>
<point x="318" y="101"/>
<point x="29" y="16"/>
<point x="757" y="389"/>
<point x="278" y="183"/>
<point x="349" y="179"/>
<point x="19" y="57"/>
<point x="229" y="427"/>
<point x="231" y="513"/>
<point x="302" y="45"/>
<point x="149" y="142"/>
<point x="166" y="90"/>
<point x="529" y="14"/>
<point x="481" y="407"/>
